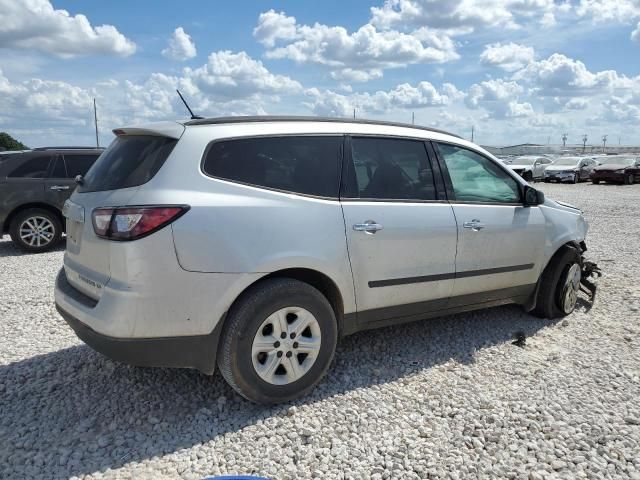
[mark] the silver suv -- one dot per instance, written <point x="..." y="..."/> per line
<point x="254" y="243"/>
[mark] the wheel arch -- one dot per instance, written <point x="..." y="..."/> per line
<point x="578" y="246"/>
<point x="44" y="206"/>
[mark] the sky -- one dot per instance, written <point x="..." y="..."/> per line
<point x="517" y="71"/>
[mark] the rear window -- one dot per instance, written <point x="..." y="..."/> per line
<point x="129" y="161"/>
<point x="297" y="164"/>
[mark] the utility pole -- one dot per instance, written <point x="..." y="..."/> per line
<point x="584" y="142"/>
<point x="564" y="140"/>
<point x="354" y="113"/>
<point x="413" y="118"/>
<point x="472" y="131"/>
<point x="95" y="121"/>
<point x="604" y="142"/>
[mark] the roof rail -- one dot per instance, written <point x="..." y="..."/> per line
<point x="293" y="118"/>
<point x="68" y="148"/>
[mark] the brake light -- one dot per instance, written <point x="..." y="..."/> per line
<point x="131" y="223"/>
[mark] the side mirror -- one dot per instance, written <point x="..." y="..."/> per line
<point x="532" y="197"/>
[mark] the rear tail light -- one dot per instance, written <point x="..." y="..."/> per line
<point x="131" y="223"/>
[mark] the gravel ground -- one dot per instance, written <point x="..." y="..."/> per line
<point x="446" y="398"/>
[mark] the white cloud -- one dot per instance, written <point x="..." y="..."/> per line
<point x="357" y="56"/>
<point x="560" y="75"/>
<point x="181" y="46"/>
<point x="36" y="25"/>
<point x="499" y="98"/>
<point x="404" y="96"/>
<point x="460" y="15"/>
<point x="274" y="26"/>
<point x="621" y="11"/>
<point x="635" y="35"/>
<point x="508" y="56"/>
<point x="229" y="74"/>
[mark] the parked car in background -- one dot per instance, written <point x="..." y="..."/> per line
<point x="34" y="185"/>
<point x="617" y="169"/>
<point x="570" y="169"/>
<point x="530" y="168"/>
<point x="223" y="241"/>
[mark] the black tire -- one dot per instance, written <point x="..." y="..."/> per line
<point x="241" y="326"/>
<point x="55" y="231"/>
<point x="576" y="178"/>
<point x="528" y="176"/>
<point x="552" y="284"/>
<point x="595" y="182"/>
<point x="628" y="179"/>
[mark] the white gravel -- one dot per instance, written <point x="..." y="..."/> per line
<point x="448" y="398"/>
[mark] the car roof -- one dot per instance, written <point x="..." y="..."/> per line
<point x="293" y="118"/>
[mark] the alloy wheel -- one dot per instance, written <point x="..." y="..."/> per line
<point x="571" y="288"/>
<point x="286" y="345"/>
<point x="37" y="231"/>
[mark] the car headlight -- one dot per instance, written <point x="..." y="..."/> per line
<point x="621" y="170"/>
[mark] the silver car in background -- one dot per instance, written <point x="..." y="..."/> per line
<point x="570" y="169"/>
<point x="254" y="243"/>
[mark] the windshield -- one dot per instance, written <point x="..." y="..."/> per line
<point x="618" y="161"/>
<point x="524" y="161"/>
<point x="567" y="161"/>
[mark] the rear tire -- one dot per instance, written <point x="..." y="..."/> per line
<point x="35" y="230"/>
<point x="555" y="299"/>
<point x="259" y="363"/>
<point x="595" y="182"/>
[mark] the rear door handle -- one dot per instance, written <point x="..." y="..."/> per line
<point x="475" y="225"/>
<point x="59" y="187"/>
<point x="369" y="226"/>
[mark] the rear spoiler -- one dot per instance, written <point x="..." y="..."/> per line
<point x="159" y="129"/>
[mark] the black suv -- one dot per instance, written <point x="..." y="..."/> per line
<point x="34" y="185"/>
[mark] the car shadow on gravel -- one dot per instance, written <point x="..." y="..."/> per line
<point x="74" y="412"/>
<point x="8" y="249"/>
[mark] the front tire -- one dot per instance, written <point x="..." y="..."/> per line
<point x="576" y="178"/>
<point x="628" y="179"/>
<point x="559" y="285"/>
<point x="595" y="182"/>
<point x="35" y="230"/>
<point x="278" y="341"/>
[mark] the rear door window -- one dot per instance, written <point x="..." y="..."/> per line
<point x="392" y="169"/>
<point x="300" y="164"/>
<point x="35" y="167"/>
<point x="78" y="164"/>
<point x="59" y="170"/>
<point x="129" y="161"/>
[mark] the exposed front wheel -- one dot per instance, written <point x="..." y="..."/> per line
<point x="576" y="178"/>
<point x="35" y="230"/>
<point x="278" y="341"/>
<point x="559" y="285"/>
<point x="595" y="182"/>
<point x="628" y="179"/>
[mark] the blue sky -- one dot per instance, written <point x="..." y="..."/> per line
<point x="516" y="70"/>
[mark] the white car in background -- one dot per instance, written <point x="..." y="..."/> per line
<point x="570" y="169"/>
<point x="529" y="167"/>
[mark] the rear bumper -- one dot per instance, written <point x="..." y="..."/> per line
<point x="187" y="351"/>
<point x="197" y="352"/>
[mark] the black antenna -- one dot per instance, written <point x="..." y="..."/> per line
<point x="193" y="117"/>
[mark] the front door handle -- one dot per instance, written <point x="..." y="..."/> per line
<point x="475" y="225"/>
<point x="59" y="187"/>
<point x="369" y="226"/>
